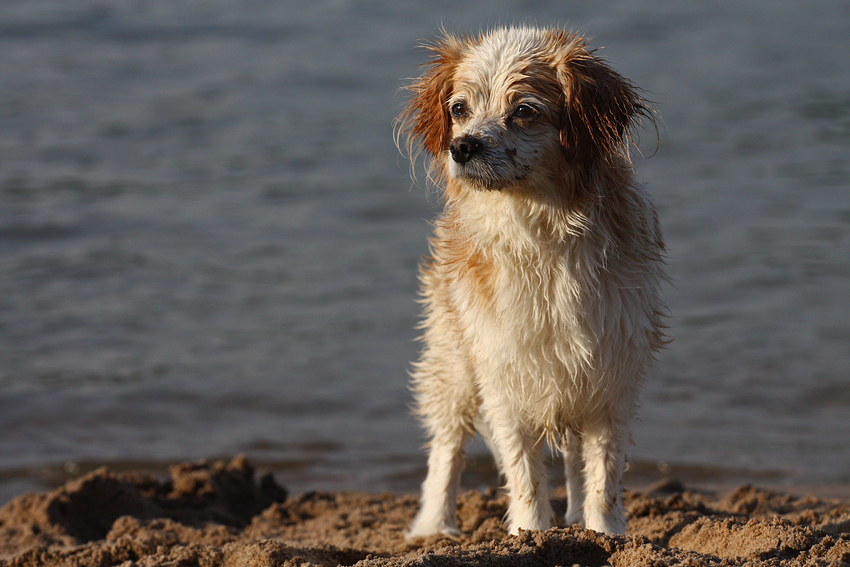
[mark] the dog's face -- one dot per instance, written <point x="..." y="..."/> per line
<point x="502" y="127"/>
<point x="518" y="105"/>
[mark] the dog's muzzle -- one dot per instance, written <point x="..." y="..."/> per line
<point x="464" y="148"/>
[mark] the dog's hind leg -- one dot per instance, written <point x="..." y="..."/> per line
<point x="483" y="428"/>
<point x="574" y="473"/>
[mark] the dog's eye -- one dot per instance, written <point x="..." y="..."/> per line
<point x="458" y="110"/>
<point x="525" y="111"/>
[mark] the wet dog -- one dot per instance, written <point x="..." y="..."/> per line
<point x="541" y="293"/>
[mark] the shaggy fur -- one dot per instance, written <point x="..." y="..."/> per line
<point x="541" y="295"/>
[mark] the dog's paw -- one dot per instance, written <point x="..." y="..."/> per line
<point x="574" y="517"/>
<point x="421" y="530"/>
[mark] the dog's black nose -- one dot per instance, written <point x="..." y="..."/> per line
<point x="464" y="148"/>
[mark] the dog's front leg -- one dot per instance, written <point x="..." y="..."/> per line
<point x="604" y="455"/>
<point x="521" y="456"/>
<point x="438" y="509"/>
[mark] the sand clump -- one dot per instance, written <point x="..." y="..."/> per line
<point x="220" y="514"/>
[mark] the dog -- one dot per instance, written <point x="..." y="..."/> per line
<point x="541" y="292"/>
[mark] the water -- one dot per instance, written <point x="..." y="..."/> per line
<point x="208" y="241"/>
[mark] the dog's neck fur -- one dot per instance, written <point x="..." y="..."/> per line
<point x="542" y="219"/>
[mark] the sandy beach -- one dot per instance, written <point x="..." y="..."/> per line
<point x="225" y="513"/>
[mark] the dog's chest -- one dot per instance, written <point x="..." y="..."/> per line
<point x="528" y="308"/>
<point x="537" y="305"/>
<point x="532" y="339"/>
<point x="523" y="285"/>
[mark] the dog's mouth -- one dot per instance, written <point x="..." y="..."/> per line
<point x="480" y="176"/>
<point x="477" y="163"/>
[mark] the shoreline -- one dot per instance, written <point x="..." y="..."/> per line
<point x="479" y="474"/>
<point x="224" y="513"/>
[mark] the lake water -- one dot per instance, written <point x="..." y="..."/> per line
<point x="208" y="240"/>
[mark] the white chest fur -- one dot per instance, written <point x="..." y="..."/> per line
<point x="540" y="332"/>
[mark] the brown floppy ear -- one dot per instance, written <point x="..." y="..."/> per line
<point x="599" y="107"/>
<point x="426" y="116"/>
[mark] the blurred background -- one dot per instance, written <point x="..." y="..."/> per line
<point x="209" y="241"/>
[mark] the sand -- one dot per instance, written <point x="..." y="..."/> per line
<point x="222" y="513"/>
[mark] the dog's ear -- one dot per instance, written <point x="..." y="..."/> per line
<point x="426" y="116"/>
<point x="599" y="106"/>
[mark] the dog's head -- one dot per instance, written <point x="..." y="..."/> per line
<point x="518" y="104"/>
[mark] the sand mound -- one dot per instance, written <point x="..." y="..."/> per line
<point x="218" y="514"/>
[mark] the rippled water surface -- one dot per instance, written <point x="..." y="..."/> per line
<point x="208" y="240"/>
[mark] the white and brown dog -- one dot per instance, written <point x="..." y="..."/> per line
<point x="542" y="309"/>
